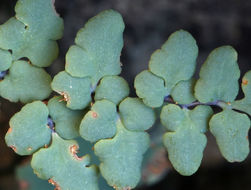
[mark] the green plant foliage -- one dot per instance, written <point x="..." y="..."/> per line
<point x="150" y="88"/>
<point x="5" y="60"/>
<point x="86" y="147"/>
<point x="183" y="93"/>
<point x="185" y="142"/>
<point x="66" y="121"/>
<point x="94" y="101"/>
<point x="98" y="49"/>
<point x="25" y="83"/>
<point x="76" y="91"/>
<point x="100" y="122"/>
<point x="200" y="115"/>
<point x="121" y="157"/>
<point x="32" y="32"/>
<point x="25" y="174"/>
<point x="172" y="116"/>
<point x="113" y="88"/>
<point x="245" y="103"/>
<point x="28" y="129"/>
<point x="132" y="112"/>
<point x="176" y="59"/>
<point x="95" y="55"/>
<point x="61" y="166"/>
<point x="219" y="76"/>
<point x="230" y="129"/>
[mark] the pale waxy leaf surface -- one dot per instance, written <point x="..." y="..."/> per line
<point x="60" y="164"/>
<point x="245" y="103"/>
<point x="176" y="60"/>
<point x="99" y="122"/>
<point x="219" y="76"/>
<point x="28" y="129"/>
<point x="98" y="46"/>
<point x="25" y="83"/>
<point x="32" y="32"/>
<point x="5" y="60"/>
<point x="66" y="121"/>
<point x="201" y="115"/>
<point x="121" y="157"/>
<point x="135" y="115"/>
<point x="76" y="91"/>
<point x="113" y="88"/>
<point x="230" y="129"/>
<point x="183" y="93"/>
<point x="186" y="141"/>
<point x="150" y="88"/>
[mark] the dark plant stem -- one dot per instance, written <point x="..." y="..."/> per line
<point x="51" y="124"/>
<point x="2" y="74"/>
<point x="218" y="103"/>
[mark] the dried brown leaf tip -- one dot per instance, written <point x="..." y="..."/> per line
<point x="13" y="148"/>
<point x="125" y="188"/>
<point x="9" y="130"/>
<point x="54" y="183"/>
<point x="66" y="97"/>
<point x="74" y="150"/>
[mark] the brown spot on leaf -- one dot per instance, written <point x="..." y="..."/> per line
<point x="244" y="81"/>
<point x="94" y="114"/>
<point x="29" y="149"/>
<point x="13" y="148"/>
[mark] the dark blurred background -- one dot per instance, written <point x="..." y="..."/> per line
<point x="148" y="24"/>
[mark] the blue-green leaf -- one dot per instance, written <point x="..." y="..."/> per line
<point x="100" y="122"/>
<point x="28" y="129"/>
<point x="76" y="91"/>
<point x="230" y="129"/>
<point x="185" y="148"/>
<point x="183" y="92"/>
<point x="176" y="60"/>
<point x="135" y="115"/>
<point x="150" y="88"/>
<point x="98" y="47"/>
<point x="113" y="88"/>
<point x="66" y="121"/>
<point x="186" y="141"/>
<point x="63" y="168"/>
<point x="121" y="157"/>
<point x="25" y="83"/>
<point x="219" y="76"/>
<point x="245" y="103"/>
<point x="5" y="60"/>
<point x="32" y="32"/>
